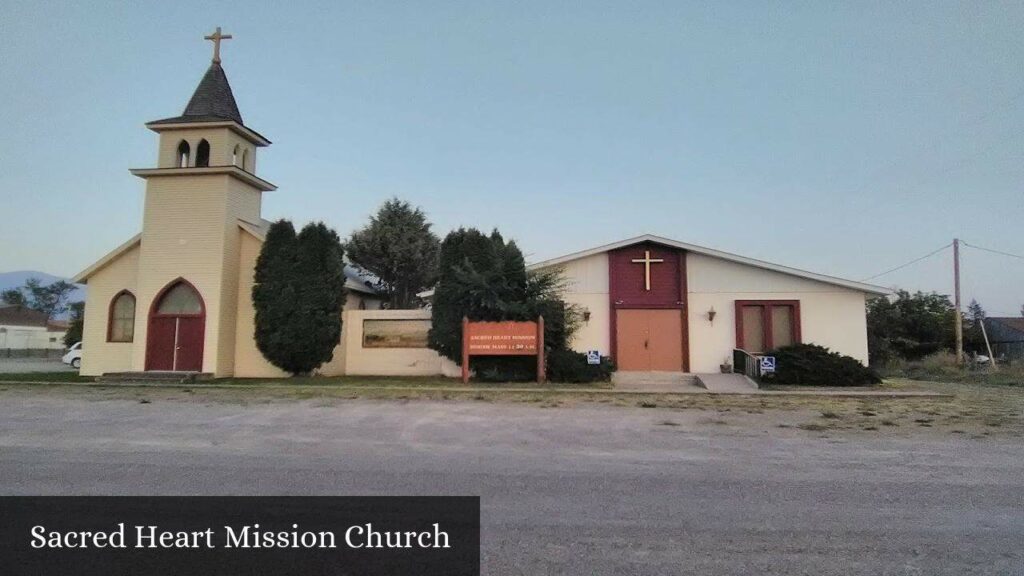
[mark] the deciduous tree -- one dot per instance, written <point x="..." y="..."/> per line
<point x="909" y="326"/>
<point x="74" y="333"/>
<point x="51" y="299"/>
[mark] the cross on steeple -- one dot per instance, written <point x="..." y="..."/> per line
<point x="216" y="37"/>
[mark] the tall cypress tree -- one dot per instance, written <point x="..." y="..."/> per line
<point x="463" y="251"/>
<point x="298" y="296"/>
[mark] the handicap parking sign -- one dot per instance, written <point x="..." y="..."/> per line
<point x="593" y="357"/>
<point x="767" y="364"/>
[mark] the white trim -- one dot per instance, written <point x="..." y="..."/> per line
<point x="248" y="134"/>
<point x="82" y="276"/>
<point x="859" y="286"/>
<point x="247" y="177"/>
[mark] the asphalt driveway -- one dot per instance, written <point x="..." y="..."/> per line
<point x="573" y="490"/>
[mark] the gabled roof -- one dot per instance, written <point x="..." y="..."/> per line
<point x="212" y="101"/>
<point x="83" y="276"/>
<point x="859" y="286"/>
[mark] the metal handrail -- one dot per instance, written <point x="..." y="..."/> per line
<point x="745" y="363"/>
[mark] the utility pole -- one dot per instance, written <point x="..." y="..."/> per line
<point x="959" y="327"/>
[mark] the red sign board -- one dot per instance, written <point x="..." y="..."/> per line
<point x="503" y="339"/>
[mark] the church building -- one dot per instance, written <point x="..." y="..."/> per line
<point x="176" y="297"/>
<point x="657" y="304"/>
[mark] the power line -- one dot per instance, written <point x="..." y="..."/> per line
<point x="1000" y="252"/>
<point x="914" y="261"/>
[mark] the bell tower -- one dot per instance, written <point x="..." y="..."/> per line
<point x="203" y="188"/>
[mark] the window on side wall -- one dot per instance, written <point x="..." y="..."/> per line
<point x="122" y="318"/>
<point x="763" y="325"/>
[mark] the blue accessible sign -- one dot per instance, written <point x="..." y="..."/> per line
<point x="767" y="364"/>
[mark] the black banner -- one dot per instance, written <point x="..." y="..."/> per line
<point x="224" y="536"/>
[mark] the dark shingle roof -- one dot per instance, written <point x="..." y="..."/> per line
<point x="14" y="315"/>
<point x="1012" y="322"/>
<point x="212" y="101"/>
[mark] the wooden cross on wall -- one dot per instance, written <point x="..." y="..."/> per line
<point x="647" y="261"/>
<point x="216" y="37"/>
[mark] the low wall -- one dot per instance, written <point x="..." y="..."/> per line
<point x="31" y="353"/>
<point x="387" y="343"/>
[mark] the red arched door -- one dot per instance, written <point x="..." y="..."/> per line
<point x="177" y="322"/>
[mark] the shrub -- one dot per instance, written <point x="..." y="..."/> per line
<point x="505" y="368"/>
<point x="571" y="367"/>
<point x="813" y="365"/>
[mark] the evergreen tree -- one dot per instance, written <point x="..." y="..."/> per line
<point x="484" y="278"/>
<point x="398" y="247"/>
<point x="974" y="338"/>
<point x="74" y="333"/>
<point x="321" y="265"/>
<point x="464" y="251"/>
<point x="14" y="297"/>
<point x="298" y="296"/>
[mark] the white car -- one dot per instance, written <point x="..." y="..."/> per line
<point x="73" y="356"/>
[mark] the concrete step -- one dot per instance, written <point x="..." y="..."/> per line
<point x="653" y="381"/>
<point x="176" y="376"/>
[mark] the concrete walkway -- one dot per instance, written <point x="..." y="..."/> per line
<point x="727" y="383"/>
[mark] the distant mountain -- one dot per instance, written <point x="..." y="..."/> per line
<point x="18" y="278"/>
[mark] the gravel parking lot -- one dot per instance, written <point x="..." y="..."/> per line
<point x="584" y="489"/>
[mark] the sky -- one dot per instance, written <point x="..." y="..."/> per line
<point x="842" y="138"/>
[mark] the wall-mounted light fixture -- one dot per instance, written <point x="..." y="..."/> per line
<point x="711" y="315"/>
<point x="586" y="314"/>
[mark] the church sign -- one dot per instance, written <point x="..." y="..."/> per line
<point x="503" y="339"/>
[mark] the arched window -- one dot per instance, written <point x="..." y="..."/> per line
<point x="180" y="300"/>
<point x="234" y="156"/>
<point x="183" y="154"/>
<point x="245" y="159"/>
<point x="121" y="325"/>
<point x="203" y="154"/>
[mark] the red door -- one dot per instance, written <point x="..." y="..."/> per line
<point x="190" y="344"/>
<point x="177" y="323"/>
<point x="160" y="343"/>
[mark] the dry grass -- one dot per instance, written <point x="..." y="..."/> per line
<point x="976" y="410"/>
<point x="942" y="368"/>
